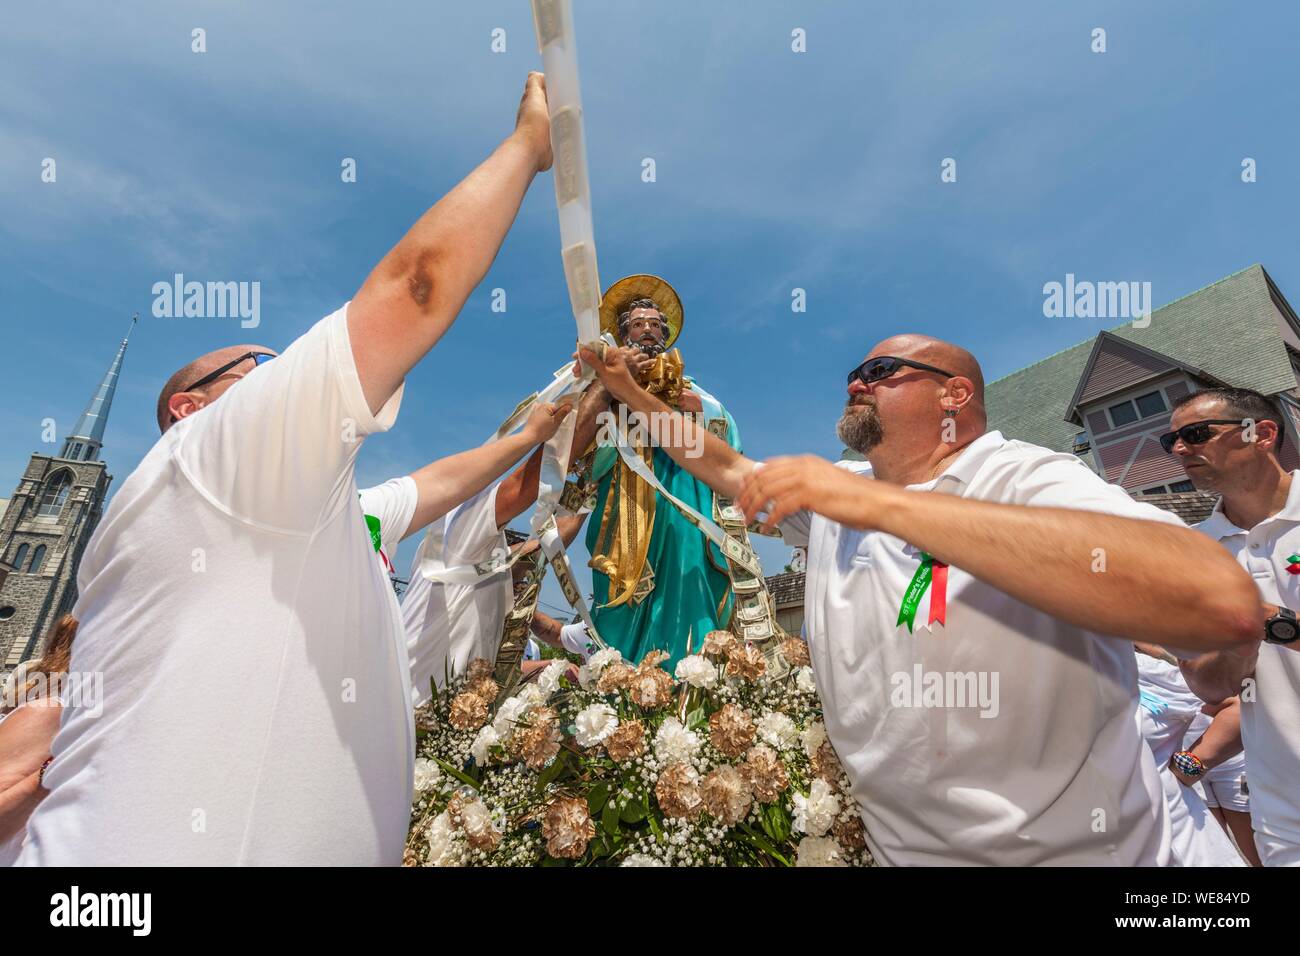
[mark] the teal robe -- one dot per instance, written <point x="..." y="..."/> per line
<point x="691" y="596"/>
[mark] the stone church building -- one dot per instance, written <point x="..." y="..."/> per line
<point x="45" y="525"/>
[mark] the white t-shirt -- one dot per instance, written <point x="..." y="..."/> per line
<point x="1058" y="772"/>
<point x="255" y="703"/>
<point x="387" y="510"/>
<point x="448" y="625"/>
<point x="1167" y="709"/>
<point x="1270" y="722"/>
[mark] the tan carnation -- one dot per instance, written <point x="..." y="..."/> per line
<point x="795" y="652"/>
<point x="764" y="773"/>
<point x="731" y="730"/>
<point x="718" y="643"/>
<point x="614" y="677"/>
<point x="538" y="740"/>
<point x="850" y="833"/>
<point x="651" y="687"/>
<point x="826" y="764"/>
<point x="746" y="662"/>
<point x="484" y="687"/>
<point x="678" y="791"/>
<point x="654" y="659"/>
<point x="627" y="742"/>
<point x="726" y="795"/>
<point x="567" y="828"/>
<point x="479" y="668"/>
<point x="468" y="711"/>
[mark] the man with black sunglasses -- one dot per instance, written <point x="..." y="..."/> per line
<point x="1228" y="440"/>
<point x="256" y="702"/>
<point x="968" y="555"/>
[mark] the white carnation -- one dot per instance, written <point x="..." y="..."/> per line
<point x="819" y="851"/>
<point x="593" y="724"/>
<point x="641" y="859"/>
<point x="509" y="714"/>
<point x="427" y="775"/>
<point x="443" y="849"/>
<point x="815" y="813"/>
<point x="696" y="671"/>
<point x="548" y="682"/>
<point x="487" y="739"/>
<point x="532" y="696"/>
<point x="475" y="818"/>
<point x="673" y="743"/>
<point x="777" y="729"/>
<point x="813" y="738"/>
<point x="601" y="659"/>
<point x="804" y="680"/>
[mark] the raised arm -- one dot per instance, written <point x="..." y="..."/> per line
<point x="518" y="491"/>
<point x="447" y="482"/>
<point x="703" y="454"/>
<point x="414" y="294"/>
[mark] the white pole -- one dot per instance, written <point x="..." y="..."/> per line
<point x="558" y="45"/>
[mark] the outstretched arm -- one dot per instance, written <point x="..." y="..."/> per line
<point x="1043" y="556"/>
<point x="414" y="294"/>
<point x="447" y="482"/>
<point x="518" y="492"/>
<point x="703" y="454"/>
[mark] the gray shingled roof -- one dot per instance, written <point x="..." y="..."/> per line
<point x="1228" y="329"/>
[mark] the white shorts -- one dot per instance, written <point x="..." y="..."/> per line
<point x="1225" y="786"/>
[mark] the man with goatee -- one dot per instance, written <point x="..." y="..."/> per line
<point x="952" y="554"/>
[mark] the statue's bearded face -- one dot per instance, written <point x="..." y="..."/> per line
<point x="645" y="328"/>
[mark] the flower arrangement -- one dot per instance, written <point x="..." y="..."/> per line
<point x="725" y="762"/>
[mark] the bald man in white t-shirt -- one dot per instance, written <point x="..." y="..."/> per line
<point x="1010" y="577"/>
<point x="255" y="689"/>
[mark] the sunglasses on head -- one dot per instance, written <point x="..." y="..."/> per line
<point x="259" y="358"/>
<point x="883" y="366"/>
<point x="1197" y="433"/>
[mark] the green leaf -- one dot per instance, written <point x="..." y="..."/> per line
<point x="696" y="719"/>
<point x="551" y="773"/>
<point x="462" y="777"/>
<point x="636" y="810"/>
<point x="596" y="798"/>
<point x="609" y="818"/>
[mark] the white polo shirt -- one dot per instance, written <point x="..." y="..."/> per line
<point x="1057" y="773"/>
<point x="448" y="625"/>
<point x="255" y="703"/>
<point x="1270" y="723"/>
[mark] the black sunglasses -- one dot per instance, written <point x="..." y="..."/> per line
<point x="259" y="358"/>
<point x="1197" y="433"/>
<point x="883" y="366"/>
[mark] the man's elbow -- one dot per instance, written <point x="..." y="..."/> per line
<point x="1231" y="616"/>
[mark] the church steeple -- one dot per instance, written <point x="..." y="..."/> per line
<point x="88" y="437"/>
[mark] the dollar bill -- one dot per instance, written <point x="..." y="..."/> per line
<point x="573" y="497"/>
<point x="580" y="271"/>
<point x="548" y="19"/>
<point x="757" y="632"/>
<point x="566" y="136"/>
<point x="718" y="426"/>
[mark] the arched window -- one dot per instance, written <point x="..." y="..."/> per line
<point x="38" y="559"/>
<point x="20" y="556"/>
<point x="56" y="493"/>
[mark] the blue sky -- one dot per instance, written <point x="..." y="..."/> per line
<point x="775" y="170"/>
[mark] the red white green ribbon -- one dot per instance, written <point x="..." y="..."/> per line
<point x="931" y="576"/>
